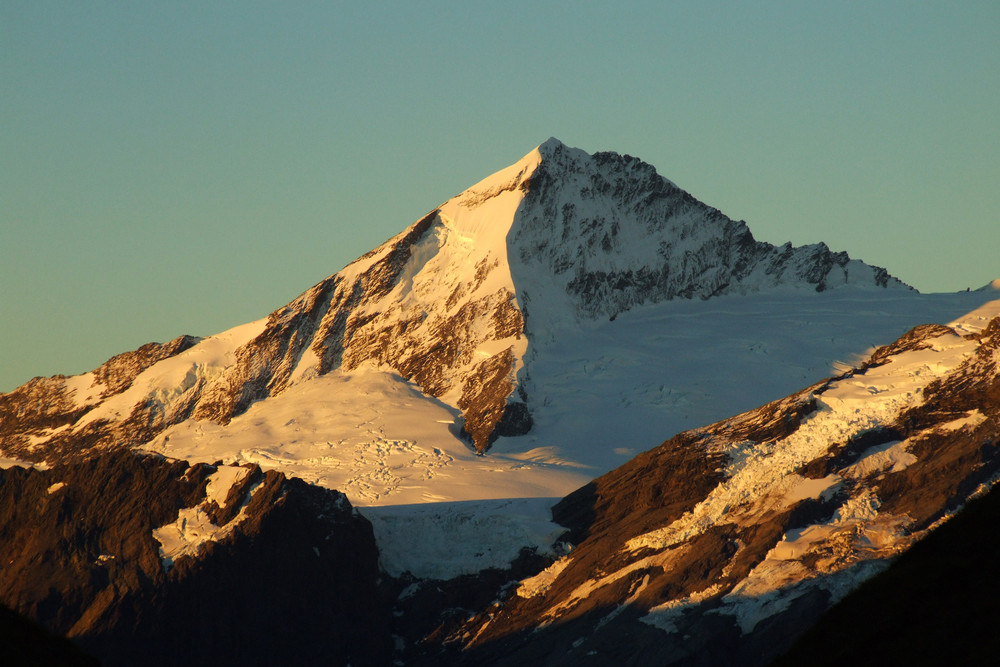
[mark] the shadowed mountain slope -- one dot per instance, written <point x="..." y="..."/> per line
<point x="144" y="561"/>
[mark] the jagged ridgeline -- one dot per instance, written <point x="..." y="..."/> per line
<point x="720" y="546"/>
<point x="452" y="303"/>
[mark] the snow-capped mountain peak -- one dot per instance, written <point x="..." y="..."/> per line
<point x="460" y="305"/>
<point x="567" y="313"/>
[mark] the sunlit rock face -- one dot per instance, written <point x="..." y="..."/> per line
<point x="726" y="542"/>
<point x="720" y="546"/>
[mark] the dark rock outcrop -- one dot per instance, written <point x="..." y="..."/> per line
<point x="292" y="576"/>
<point x="936" y="604"/>
<point x="24" y="643"/>
<point x="667" y="551"/>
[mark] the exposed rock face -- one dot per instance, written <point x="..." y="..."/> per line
<point x="617" y="234"/>
<point x="720" y="546"/>
<point x="485" y="403"/>
<point x="126" y="555"/>
<point x="50" y="403"/>
<point x="725" y="543"/>
<point x="45" y="410"/>
<point x="41" y="403"/>
<point x="563" y="234"/>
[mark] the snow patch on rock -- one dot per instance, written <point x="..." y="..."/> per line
<point x="541" y="582"/>
<point x="164" y="383"/>
<point x="194" y="526"/>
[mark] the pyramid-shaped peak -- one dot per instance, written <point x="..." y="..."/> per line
<point x="552" y="152"/>
<point x="550" y="145"/>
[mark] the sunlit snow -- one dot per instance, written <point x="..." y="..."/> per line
<point x="165" y="382"/>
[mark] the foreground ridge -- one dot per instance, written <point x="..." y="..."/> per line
<point x="725" y="543"/>
<point x="140" y="560"/>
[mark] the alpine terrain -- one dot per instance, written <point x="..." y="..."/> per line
<point x="449" y="451"/>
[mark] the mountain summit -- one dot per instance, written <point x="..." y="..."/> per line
<point x="455" y="305"/>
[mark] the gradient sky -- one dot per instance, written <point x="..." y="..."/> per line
<point x="184" y="167"/>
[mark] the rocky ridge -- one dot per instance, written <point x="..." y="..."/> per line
<point x="934" y="604"/>
<point x="612" y="233"/>
<point x="725" y="543"/>
<point x="720" y="546"/>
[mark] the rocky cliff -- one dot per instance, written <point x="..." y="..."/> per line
<point x="719" y="546"/>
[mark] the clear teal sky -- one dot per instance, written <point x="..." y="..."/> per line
<point x="183" y="167"/>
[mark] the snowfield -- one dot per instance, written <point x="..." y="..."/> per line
<point x="639" y="379"/>
<point x="193" y="526"/>
<point x="647" y="375"/>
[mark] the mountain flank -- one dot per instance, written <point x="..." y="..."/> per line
<point x="725" y="543"/>
<point x="178" y="500"/>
